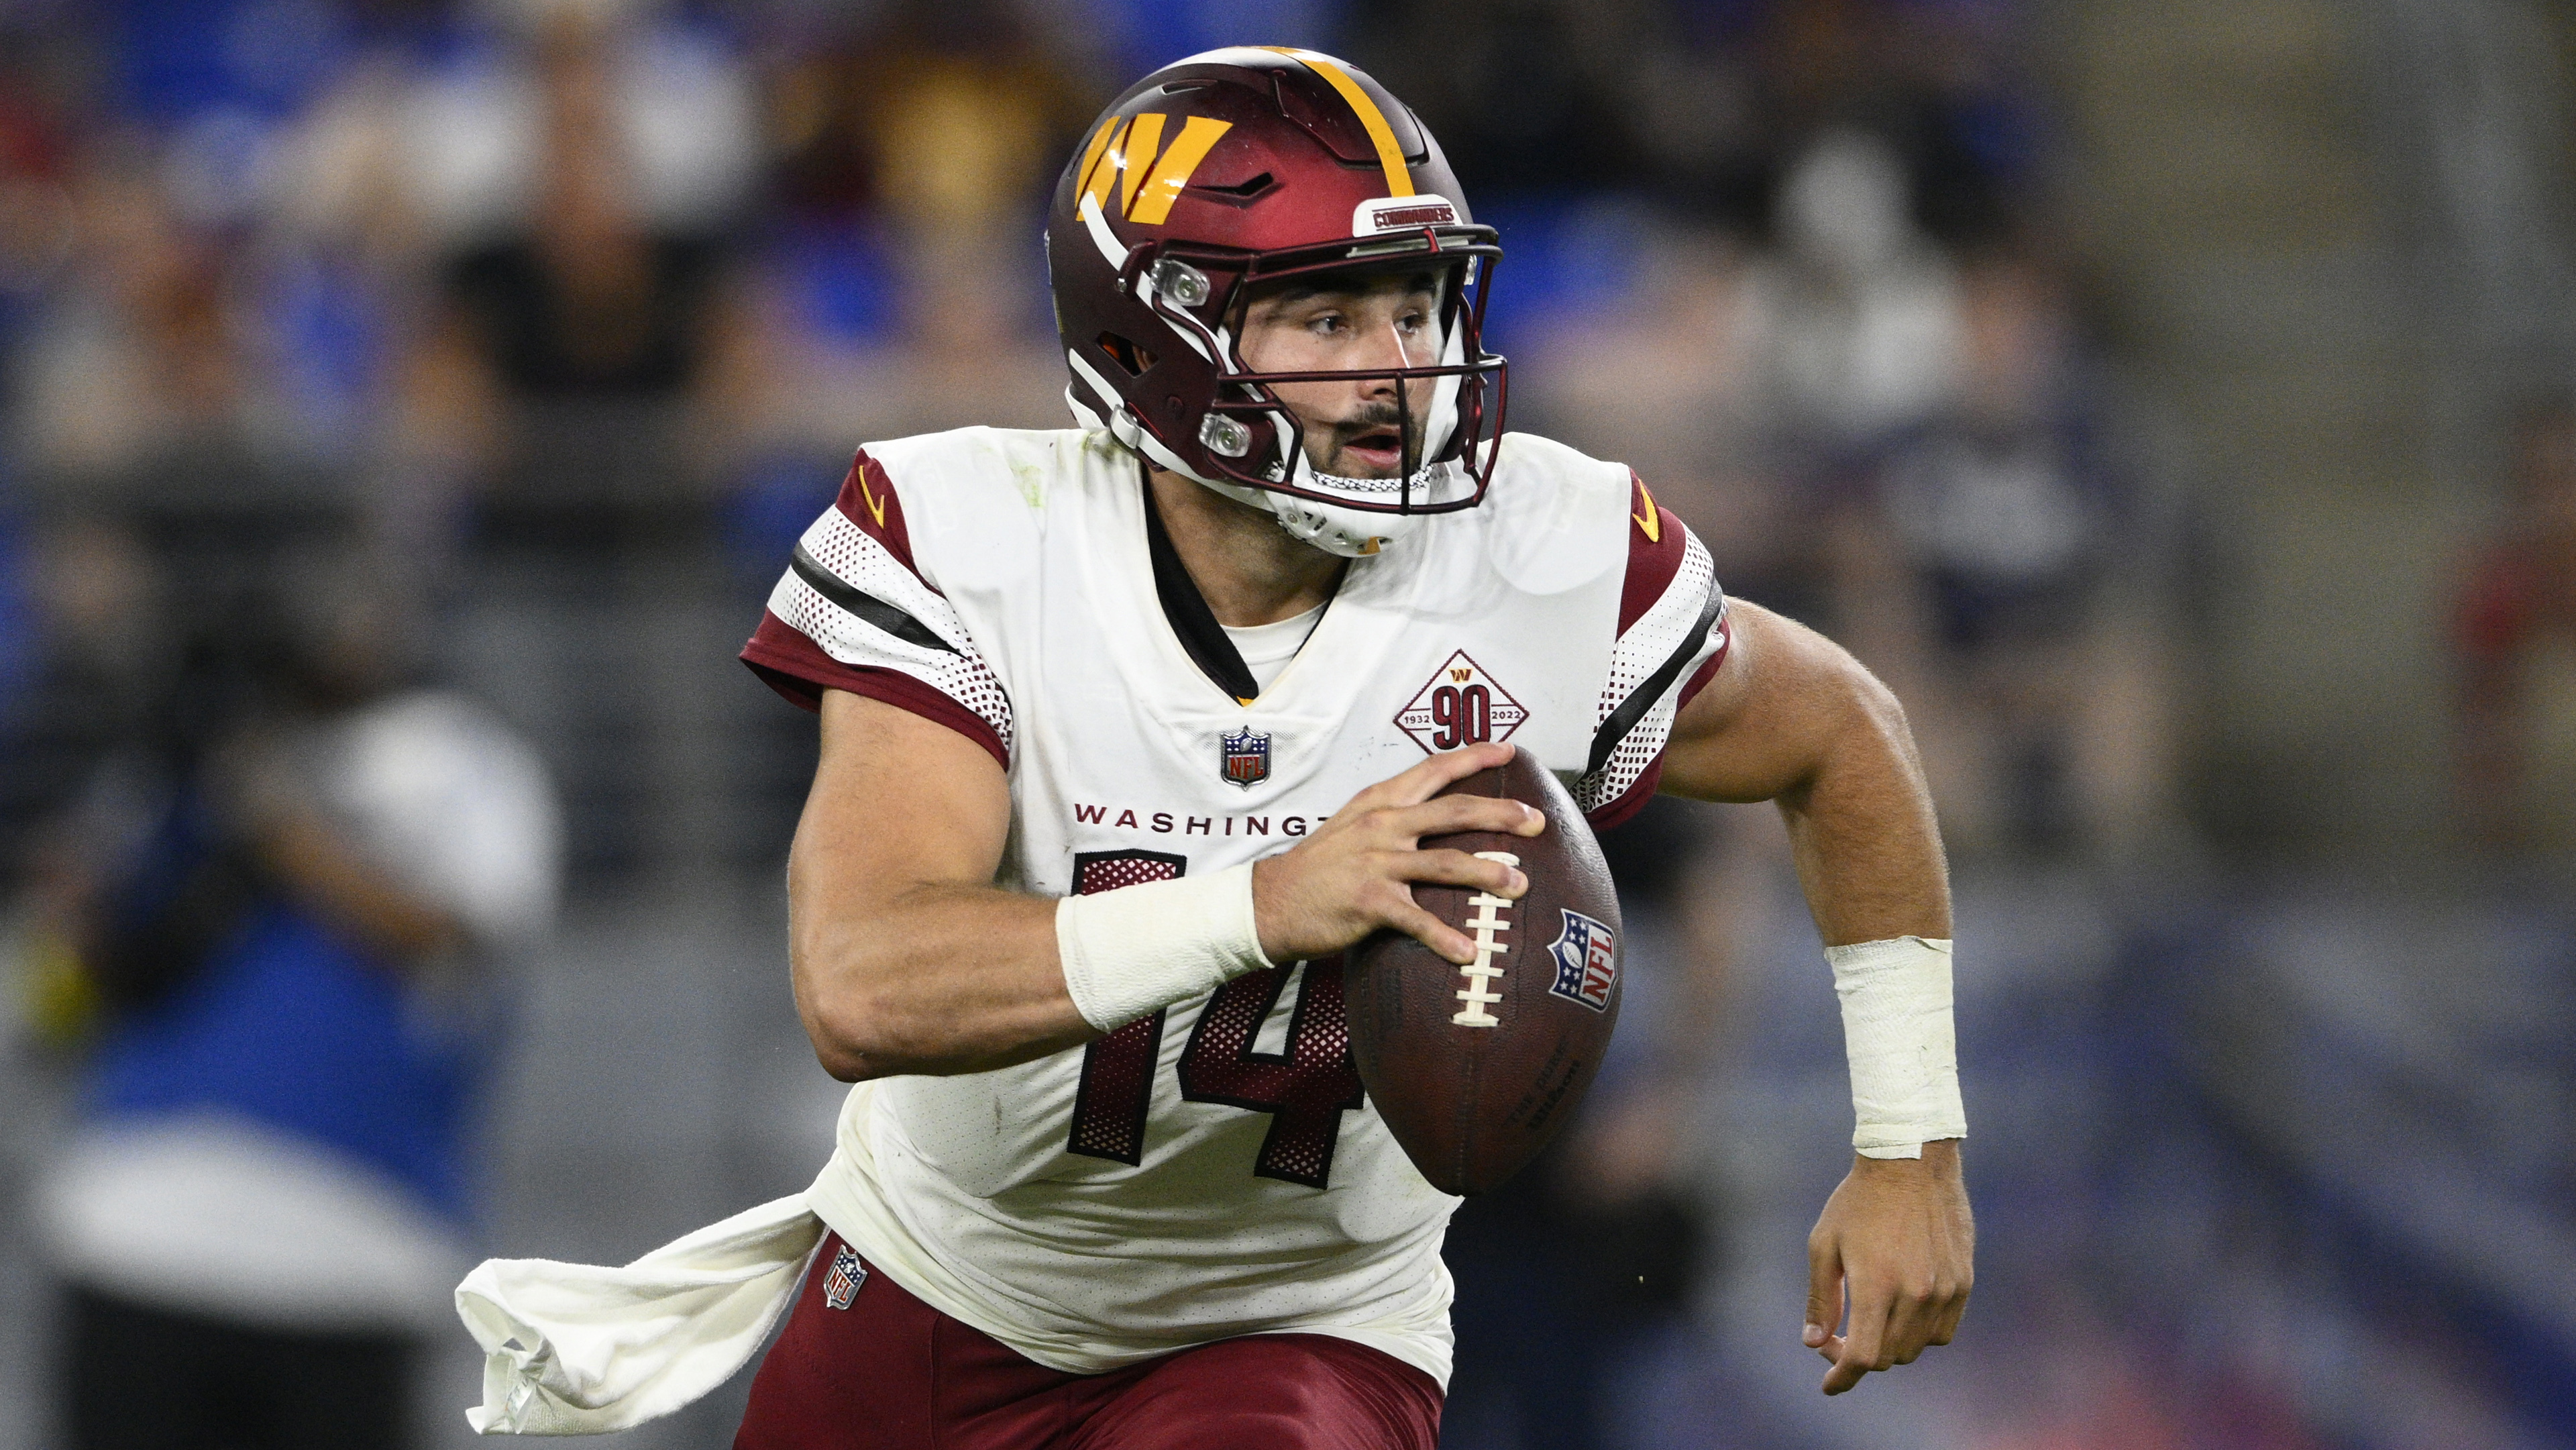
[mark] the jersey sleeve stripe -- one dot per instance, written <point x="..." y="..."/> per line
<point x="1685" y="614"/>
<point x="861" y="563"/>
<point x="959" y="674"/>
<point x="1642" y="790"/>
<point x="800" y="671"/>
<point x="1624" y="718"/>
<point x="1662" y="658"/>
<point x="866" y="606"/>
<point x="850" y="613"/>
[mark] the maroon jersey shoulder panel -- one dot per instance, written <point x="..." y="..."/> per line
<point x="868" y="499"/>
<point x="1656" y="543"/>
<point x="798" y="669"/>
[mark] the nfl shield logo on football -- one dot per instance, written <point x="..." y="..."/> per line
<point x="841" y="1284"/>
<point x="1247" y="757"/>
<point x="1587" y="962"/>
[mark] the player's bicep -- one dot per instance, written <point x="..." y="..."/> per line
<point x="1768" y="716"/>
<point x="899" y="801"/>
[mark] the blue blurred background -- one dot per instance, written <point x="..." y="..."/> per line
<point x="405" y="406"/>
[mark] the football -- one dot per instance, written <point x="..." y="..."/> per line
<point x="1474" y="1068"/>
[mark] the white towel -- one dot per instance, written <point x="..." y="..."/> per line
<point x="570" y="1349"/>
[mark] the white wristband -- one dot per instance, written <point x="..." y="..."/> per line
<point x="1139" y="949"/>
<point x="1904" y="1054"/>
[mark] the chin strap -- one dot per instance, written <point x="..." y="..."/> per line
<point x="1346" y="533"/>
<point x="1349" y="534"/>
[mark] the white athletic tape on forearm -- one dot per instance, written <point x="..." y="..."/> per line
<point x="1139" y="949"/>
<point x="1904" y="1053"/>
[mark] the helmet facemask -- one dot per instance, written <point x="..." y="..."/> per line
<point x="1252" y="441"/>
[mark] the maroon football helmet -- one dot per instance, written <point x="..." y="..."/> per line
<point x="1242" y="167"/>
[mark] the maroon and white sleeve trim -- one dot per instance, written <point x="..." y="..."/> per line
<point x="1671" y="640"/>
<point x="852" y="613"/>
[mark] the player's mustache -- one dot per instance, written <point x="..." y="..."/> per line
<point x="1368" y="419"/>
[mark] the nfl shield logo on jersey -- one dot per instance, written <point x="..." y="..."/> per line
<point x="1587" y="962"/>
<point x="1247" y="757"/>
<point x="841" y="1284"/>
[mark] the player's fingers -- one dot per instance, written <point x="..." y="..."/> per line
<point x="1865" y="1343"/>
<point x="1909" y="1323"/>
<point x="1824" y="1298"/>
<point x="1953" y="1305"/>
<point x="1421" y="782"/>
<point x="1457" y="868"/>
<point x="1403" y="915"/>
<point x="1946" y="1328"/>
<point x="1852" y="1363"/>
<point x="1450" y="814"/>
<point x="1846" y="1372"/>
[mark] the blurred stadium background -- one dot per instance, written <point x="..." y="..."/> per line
<point x="2171" y="400"/>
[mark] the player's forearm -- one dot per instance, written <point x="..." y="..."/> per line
<point x="934" y="979"/>
<point x="1862" y="830"/>
<point x="1793" y="718"/>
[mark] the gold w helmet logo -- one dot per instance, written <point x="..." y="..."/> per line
<point x="1127" y="156"/>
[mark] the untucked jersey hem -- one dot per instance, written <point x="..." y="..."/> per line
<point x="850" y="1201"/>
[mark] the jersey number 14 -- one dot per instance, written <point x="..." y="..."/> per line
<point x="1305" y="1089"/>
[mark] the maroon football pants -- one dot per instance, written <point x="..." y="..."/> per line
<point x="891" y="1373"/>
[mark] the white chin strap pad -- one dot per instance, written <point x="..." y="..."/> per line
<point x="1347" y="532"/>
<point x="1351" y="533"/>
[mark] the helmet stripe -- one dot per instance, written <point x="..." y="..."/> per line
<point x="1136" y="152"/>
<point x="1091" y="154"/>
<point x="1399" y="181"/>
<point x="1099" y="167"/>
<point x="1154" y="203"/>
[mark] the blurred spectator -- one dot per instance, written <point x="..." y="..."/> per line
<point x="665" y="104"/>
<point x="1528" y="95"/>
<point x="1855" y="317"/>
<point x="1704" y="104"/>
<point x="1992" y="576"/>
<point x="2517" y="631"/>
<point x="906" y="290"/>
<point x="1753" y="389"/>
<point x="35" y="172"/>
<point x="903" y="290"/>
<point x="268" y="916"/>
<point x="285" y="897"/>
<point x="1931" y="81"/>
<point x="589" y="301"/>
<point x="156" y="446"/>
<point x="1664" y="380"/>
<point x="144" y="365"/>
<point x="88" y="617"/>
<point x="589" y="305"/>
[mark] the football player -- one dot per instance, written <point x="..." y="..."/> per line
<point x="1128" y="729"/>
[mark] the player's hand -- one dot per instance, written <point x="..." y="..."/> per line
<point x="1355" y="875"/>
<point x="1897" y="1241"/>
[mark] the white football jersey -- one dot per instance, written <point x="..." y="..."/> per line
<point x="1216" y="1169"/>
